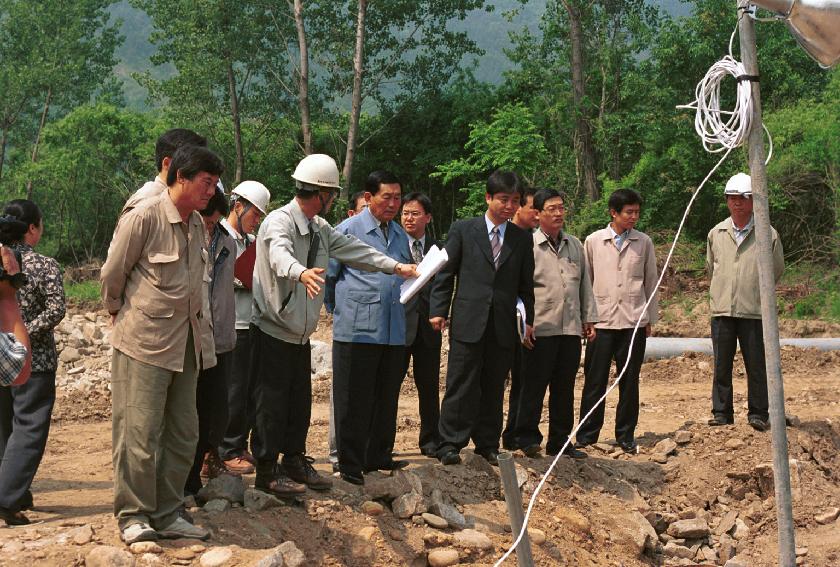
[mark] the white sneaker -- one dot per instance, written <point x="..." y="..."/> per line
<point x="181" y="528"/>
<point x="140" y="531"/>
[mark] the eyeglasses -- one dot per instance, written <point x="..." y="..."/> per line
<point x="555" y="209"/>
<point x="413" y="214"/>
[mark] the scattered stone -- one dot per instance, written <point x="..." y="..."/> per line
<point x="69" y="355"/>
<point x="82" y="535"/>
<point x="217" y="506"/>
<point x="437" y="539"/>
<point x="694" y="528"/>
<point x="372" y="508"/>
<point x="435" y="521"/>
<point x="727" y="549"/>
<point x="478" y="463"/>
<point x="225" y="486"/>
<point x="408" y="505"/>
<point x="76" y="370"/>
<point x="734" y="444"/>
<point x="390" y="488"/>
<point x="107" y="556"/>
<point x="443" y="557"/>
<point x="184" y="553"/>
<point x="256" y="500"/>
<point x="801" y="551"/>
<point x="828" y="516"/>
<point x="660" y="458"/>
<point x="682" y="437"/>
<point x="660" y="520"/>
<point x="367" y="533"/>
<point x="737" y="562"/>
<point x="741" y="530"/>
<point x="708" y="554"/>
<point x="150" y="559"/>
<point x="216" y="557"/>
<point x="604" y="447"/>
<point x="418" y="521"/>
<point x="273" y="559"/>
<point x="726" y="523"/>
<point x="292" y="556"/>
<point x="673" y="549"/>
<point x="141" y="547"/>
<point x="763" y="474"/>
<point x="644" y="534"/>
<point x="536" y="535"/>
<point x="12" y="547"/>
<point x="665" y="447"/>
<point x="472" y="539"/>
<point x="396" y="535"/>
<point x="447" y="511"/>
<point x="197" y="548"/>
<point x="792" y="420"/>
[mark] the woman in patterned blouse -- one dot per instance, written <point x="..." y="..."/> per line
<point x="25" y="410"/>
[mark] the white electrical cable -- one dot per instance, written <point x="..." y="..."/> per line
<point x="713" y="132"/>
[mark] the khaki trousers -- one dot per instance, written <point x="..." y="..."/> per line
<point x="154" y="434"/>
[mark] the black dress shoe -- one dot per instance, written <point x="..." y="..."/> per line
<point x="490" y="456"/>
<point x="450" y="457"/>
<point x="629" y="447"/>
<point x="758" y="424"/>
<point x="533" y="451"/>
<point x="13" y="518"/>
<point x="581" y="444"/>
<point x="574" y="453"/>
<point x="352" y="478"/>
<point x="432" y="453"/>
<point x="720" y="420"/>
<point x="393" y="465"/>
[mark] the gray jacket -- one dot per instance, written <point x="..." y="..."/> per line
<point x="222" y="251"/>
<point x="281" y="307"/>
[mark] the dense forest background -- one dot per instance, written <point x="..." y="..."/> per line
<point x="580" y="95"/>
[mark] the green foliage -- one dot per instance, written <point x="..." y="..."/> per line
<point x="87" y="291"/>
<point x="509" y="141"/>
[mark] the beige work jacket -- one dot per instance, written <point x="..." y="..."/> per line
<point x="149" y="190"/>
<point x="563" y="298"/>
<point x="154" y="281"/>
<point x="733" y="270"/>
<point x="622" y="281"/>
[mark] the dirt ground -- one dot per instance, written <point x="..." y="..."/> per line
<point x="586" y="509"/>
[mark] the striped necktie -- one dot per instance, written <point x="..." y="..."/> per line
<point x="417" y="252"/>
<point x="495" y="245"/>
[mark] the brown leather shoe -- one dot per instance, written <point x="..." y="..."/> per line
<point x="239" y="465"/>
<point x="300" y="469"/>
<point x="213" y="466"/>
<point x="278" y="483"/>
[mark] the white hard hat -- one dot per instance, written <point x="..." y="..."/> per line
<point x="739" y="184"/>
<point x="254" y="192"/>
<point x="317" y="169"/>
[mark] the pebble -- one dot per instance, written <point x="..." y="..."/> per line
<point x="733" y="444"/>
<point x="150" y="559"/>
<point x="184" y="553"/>
<point x="828" y="516"/>
<point x="801" y="551"/>
<point x="107" y="556"/>
<point x="13" y="547"/>
<point x="741" y="530"/>
<point x="682" y="437"/>
<point x="372" y="508"/>
<point x="367" y="533"/>
<point x="217" y="505"/>
<point x="82" y="535"/>
<point x="537" y="536"/>
<point x="443" y="557"/>
<point x="435" y="521"/>
<point x="216" y="557"/>
<point x="473" y="539"/>
<point x="693" y="528"/>
<point x="141" y="547"/>
<point x="292" y="556"/>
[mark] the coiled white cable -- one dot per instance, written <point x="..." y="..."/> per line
<point x="713" y="132"/>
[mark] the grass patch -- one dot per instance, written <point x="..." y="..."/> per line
<point x="82" y="292"/>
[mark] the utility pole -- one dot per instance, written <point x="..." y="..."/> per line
<point x="767" y="288"/>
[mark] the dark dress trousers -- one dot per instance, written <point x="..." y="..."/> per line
<point x="482" y="329"/>
<point x="422" y="346"/>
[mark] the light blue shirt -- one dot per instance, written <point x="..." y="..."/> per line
<point x="490" y="227"/>
<point x="366" y="305"/>
<point x="741" y="233"/>
<point x="618" y="239"/>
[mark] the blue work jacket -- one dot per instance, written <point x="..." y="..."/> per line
<point x="366" y="305"/>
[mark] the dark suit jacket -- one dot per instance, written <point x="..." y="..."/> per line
<point x="417" y="310"/>
<point x="481" y="289"/>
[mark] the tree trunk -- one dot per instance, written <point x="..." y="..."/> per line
<point x="38" y="138"/>
<point x="3" y="142"/>
<point x="356" y="107"/>
<point x="237" y="126"/>
<point x="303" y="79"/>
<point x="584" y="146"/>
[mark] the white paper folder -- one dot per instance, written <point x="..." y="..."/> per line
<point x="433" y="261"/>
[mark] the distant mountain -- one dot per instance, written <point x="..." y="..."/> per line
<point x="488" y="30"/>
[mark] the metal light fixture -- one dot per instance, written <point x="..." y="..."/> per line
<point x="814" y="23"/>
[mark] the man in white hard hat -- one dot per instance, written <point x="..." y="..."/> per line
<point x="294" y="246"/>
<point x="249" y="205"/>
<point x="735" y="305"/>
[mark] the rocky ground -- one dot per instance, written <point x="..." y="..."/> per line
<point x="693" y="495"/>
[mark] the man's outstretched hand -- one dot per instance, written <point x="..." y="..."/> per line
<point x="406" y="271"/>
<point x="312" y="280"/>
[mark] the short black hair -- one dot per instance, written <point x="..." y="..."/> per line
<point x="354" y="200"/>
<point x="543" y="195"/>
<point x="421" y="198"/>
<point x="620" y="198"/>
<point x="377" y="178"/>
<point x="173" y="139"/>
<point x="527" y="190"/>
<point x="218" y="203"/>
<point x="190" y="160"/>
<point x="503" y="182"/>
<point x="26" y="213"/>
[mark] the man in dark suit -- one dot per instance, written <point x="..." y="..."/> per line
<point x="493" y="260"/>
<point x="422" y="342"/>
